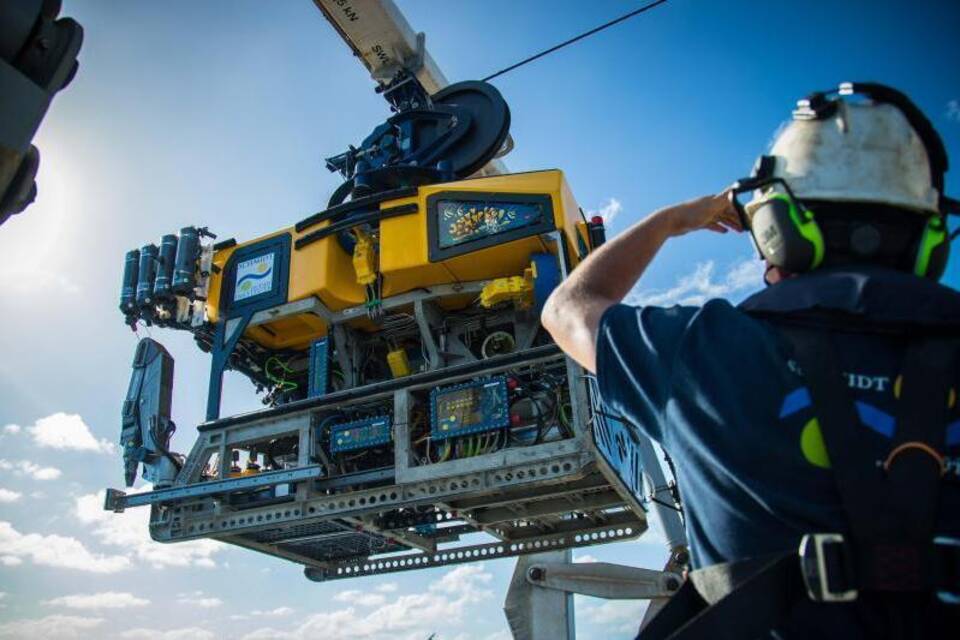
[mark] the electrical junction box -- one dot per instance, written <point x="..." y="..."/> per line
<point x="473" y="407"/>
<point x="319" y="368"/>
<point x="360" y="434"/>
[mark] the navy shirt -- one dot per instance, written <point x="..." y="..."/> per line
<point x="717" y="386"/>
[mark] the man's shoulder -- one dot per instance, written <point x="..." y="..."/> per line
<point x="679" y="316"/>
<point x="873" y="294"/>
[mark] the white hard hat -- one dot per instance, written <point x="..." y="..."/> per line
<point x="869" y="151"/>
<point x="881" y="152"/>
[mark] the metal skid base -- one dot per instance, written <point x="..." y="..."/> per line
<point x="526" y="499"/>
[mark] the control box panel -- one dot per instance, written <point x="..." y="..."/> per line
<point x="360" y="434"/>
<point x="472" y="407"/>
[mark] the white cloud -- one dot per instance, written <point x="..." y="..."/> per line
<point x="54" y="627"/>
<point x="67" y="431"/>
<point x="268" y="613"/>
<point x="130" y="531"/>
<point x="408" y="617"/>
<point x="585" y="558"/>
<point x="204" y="603"/>
<point x="465" y="580"/>
<point x="953" y="110"/>
<point x="699" y="286"/>
<point x="608" y="211"/>
<point x="7" y="496"/>
<point x="103" y="600"/>
<point x="54" y="551"/>
<point x="186" y="633"/>
<point x="35" y="471"/>
<point x="360" y="598"/>
<point x="199" y="599"/>
<point x="623" y="616"/>
<point x="387" y="587"/>
<point x="12" y="429"/>
<point x="273" y="613"/>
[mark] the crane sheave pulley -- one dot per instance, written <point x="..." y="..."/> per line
<point x="447" y="136"/>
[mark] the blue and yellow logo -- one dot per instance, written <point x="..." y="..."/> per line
<point x="245" y="283"/>
<point x="811" y="438"/>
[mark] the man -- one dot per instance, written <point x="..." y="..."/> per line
<point x="815" y="428"/>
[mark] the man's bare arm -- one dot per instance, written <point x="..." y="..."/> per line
<point x="572" y="313"/>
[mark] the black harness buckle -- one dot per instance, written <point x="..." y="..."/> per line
<point x="825" y="567"/>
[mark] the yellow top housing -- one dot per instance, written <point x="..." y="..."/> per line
<point x="407" y="259"/>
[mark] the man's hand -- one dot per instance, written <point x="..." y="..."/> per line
<point x="572" y="313"/>
<point x="715" y="213"/>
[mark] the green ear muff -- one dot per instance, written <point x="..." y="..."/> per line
<point x="787" y="234"/>
<point x="933" y="249"/>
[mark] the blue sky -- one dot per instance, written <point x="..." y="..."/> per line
<point x="220" y="113"/>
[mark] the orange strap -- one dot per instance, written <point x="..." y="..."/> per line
<point x="921" y="447"/>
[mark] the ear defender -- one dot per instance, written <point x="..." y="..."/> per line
<point x="933" y="249"/>
<point x="787" y="234"/>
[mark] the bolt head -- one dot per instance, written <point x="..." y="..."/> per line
<point x="672" y="584"/>
<point x="536" y="574"/>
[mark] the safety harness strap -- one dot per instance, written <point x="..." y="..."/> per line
<point x="755" y="605"/>
<point x="891" y="508"/>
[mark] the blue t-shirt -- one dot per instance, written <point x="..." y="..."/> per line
<point x="718" y="388"/>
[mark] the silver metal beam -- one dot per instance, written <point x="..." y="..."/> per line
<point x="118" y="501"/>
<point x="473" y="553"/>
<point x="539" y="614"/>
<point x="603" y="580"/>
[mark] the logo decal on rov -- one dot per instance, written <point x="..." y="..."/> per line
<point x="254" y="277"/>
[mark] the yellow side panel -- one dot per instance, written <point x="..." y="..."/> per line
<point x="404" y="251"/>
<point x="295" y="332"/>
<point x="320" y="268"/>
<point x="323" y="269"/>
<point x="216" y="282"/>
<point x="572" y="221"/>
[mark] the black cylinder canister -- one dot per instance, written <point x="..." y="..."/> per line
<point x="188" y="252"/>
<point x="128" y="291"/>
<point x="168" y="255"/>
<point x="147" y="274"/>
<point x="598" y="235"/>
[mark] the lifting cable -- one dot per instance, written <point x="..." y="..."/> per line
<point x="583" y="35"/>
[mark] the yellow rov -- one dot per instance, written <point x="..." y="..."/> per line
<point x="417" y="414"/>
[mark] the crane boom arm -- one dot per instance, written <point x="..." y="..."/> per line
<point x="380" y="36"/>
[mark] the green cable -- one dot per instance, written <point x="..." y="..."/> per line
<point x="281" y="382"/>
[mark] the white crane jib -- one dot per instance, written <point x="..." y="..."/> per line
<point x="380" y="36"/>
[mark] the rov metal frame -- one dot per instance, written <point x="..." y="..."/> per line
<point x="550" y="496"/>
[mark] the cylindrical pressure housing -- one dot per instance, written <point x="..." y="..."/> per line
<point x="128" y="290"/>
<point x="168" y="255"/>
<point x="147" y="274"/>
<point x="185" y="270"/>
<point x="598" y="235"/>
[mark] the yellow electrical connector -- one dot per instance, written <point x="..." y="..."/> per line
<point x="516" y="289"/>
<point x="365" y="259"/>
<point x="399" y="364"/>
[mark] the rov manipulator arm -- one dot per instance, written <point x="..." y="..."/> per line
<point x="147" y="428"/>
<point x="38" y="58"/>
